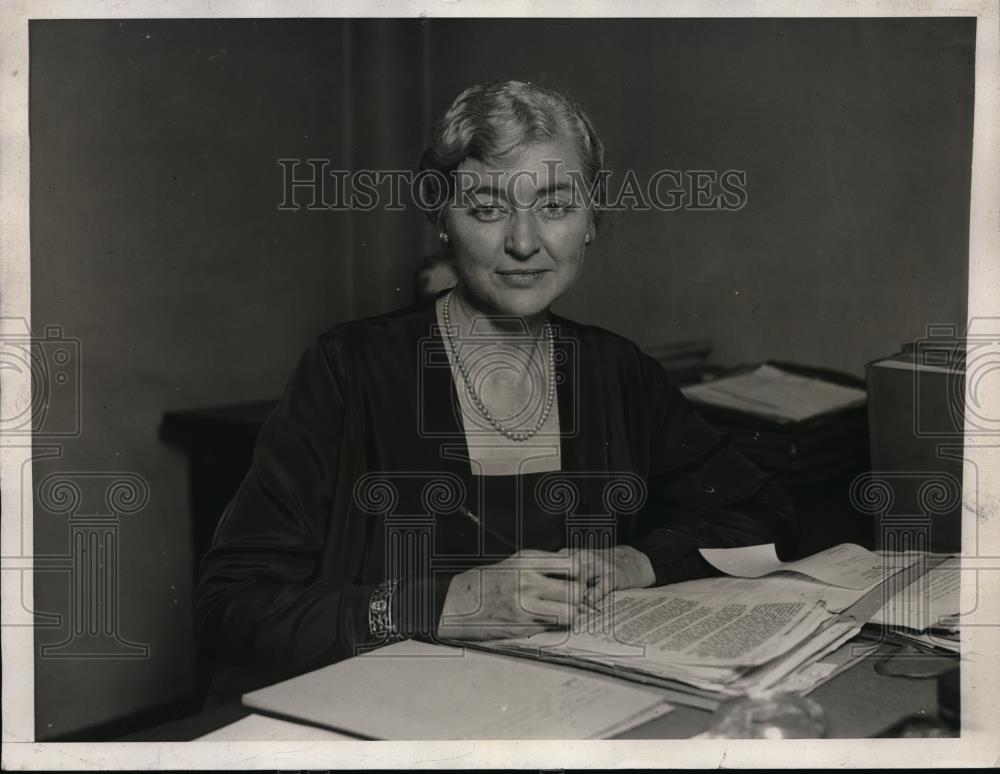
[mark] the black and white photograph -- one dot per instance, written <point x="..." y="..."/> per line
<point x="436" y="384"/>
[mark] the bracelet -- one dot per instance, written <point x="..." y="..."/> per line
<point x="380" y="622"/>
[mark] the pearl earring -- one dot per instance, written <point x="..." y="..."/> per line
<point x="587" y="240"/>
<point x="443" y="237"/>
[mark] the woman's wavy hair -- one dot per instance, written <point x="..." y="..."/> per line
<point x="492" y="122"/>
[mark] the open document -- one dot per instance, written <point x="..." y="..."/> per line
<point x="725" y="639"/>
<point x="723" y="636"/>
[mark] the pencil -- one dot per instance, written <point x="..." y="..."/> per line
<point x="478" y="522"/>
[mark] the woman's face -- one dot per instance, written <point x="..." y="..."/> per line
<point x="519" y="232"/>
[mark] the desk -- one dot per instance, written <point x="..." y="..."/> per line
<point x="858" y="703"/>
<point x="219" y="446"/>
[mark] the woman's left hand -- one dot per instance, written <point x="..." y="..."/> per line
<point x="604" y="570"/>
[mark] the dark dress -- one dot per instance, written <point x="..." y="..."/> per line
<point x="359" y="474"/>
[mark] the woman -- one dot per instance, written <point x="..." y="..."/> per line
<point x="474" y="467"/>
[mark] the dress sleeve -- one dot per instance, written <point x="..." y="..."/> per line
<point x="702" y="493"/>
<point x="259" y="602"/>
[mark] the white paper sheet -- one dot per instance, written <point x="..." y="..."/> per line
<point x="770" y="392"/>
<point x="846" y="565"/>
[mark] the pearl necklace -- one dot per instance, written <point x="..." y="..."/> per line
<point x="474" y="395"/>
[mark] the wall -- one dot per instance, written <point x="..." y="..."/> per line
<point x="856" y="139"/>
<point x="157" y="242"/>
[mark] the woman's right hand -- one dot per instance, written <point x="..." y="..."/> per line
<point x="527" y="593"/>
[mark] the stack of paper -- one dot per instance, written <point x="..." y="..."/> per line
<point x="765" y="629"/>
<point x="778" y="395"/>
<point x="725" y="637"/>
<point x="804" y="425"/>
<point x="930" y="602"/>
<point x="925" y="612"/>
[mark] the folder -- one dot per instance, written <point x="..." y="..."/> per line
<point x="416" y="690"/>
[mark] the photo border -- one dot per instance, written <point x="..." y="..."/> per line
<point x="979" y="744"/>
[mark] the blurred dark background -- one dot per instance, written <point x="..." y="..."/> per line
<point x="157" y="240"/>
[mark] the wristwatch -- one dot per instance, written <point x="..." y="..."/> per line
<point x="380" y="622"/>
